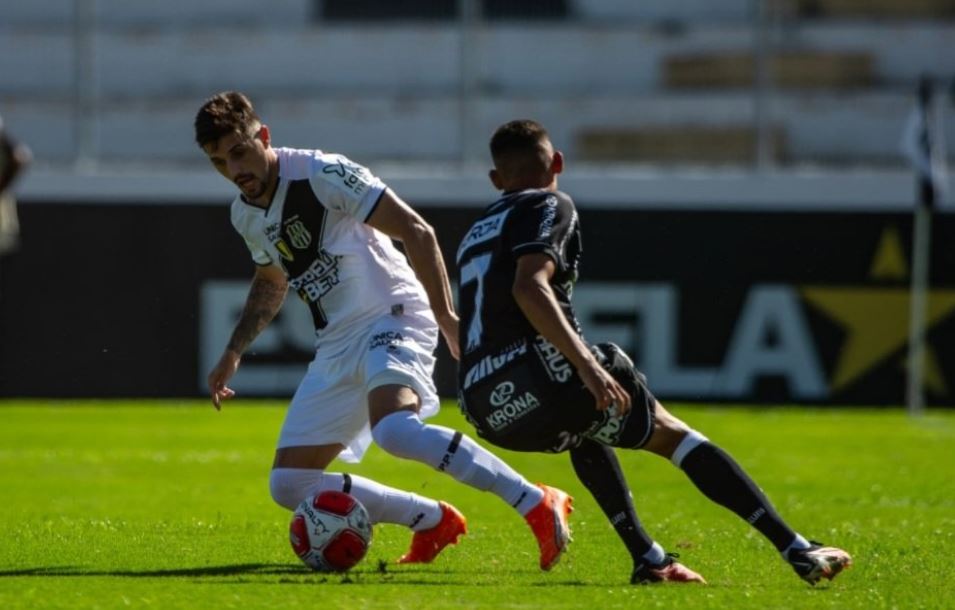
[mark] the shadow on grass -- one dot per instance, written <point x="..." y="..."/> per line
<point x="287" y="575"/>
<point x="228" y="570"/>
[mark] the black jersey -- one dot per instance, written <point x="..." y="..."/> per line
<point x="519" y="223"/>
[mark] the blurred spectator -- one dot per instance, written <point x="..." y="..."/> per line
<point x="14" y="157"/>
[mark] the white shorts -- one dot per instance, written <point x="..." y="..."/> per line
<point x="331" y="403"/>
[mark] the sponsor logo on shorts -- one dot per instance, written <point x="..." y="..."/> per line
<point x="565" y="441"/>
<point x="389" y="339"/>
<point x="608" y="430"/>
<point x="509" y="412"/>
<point x="555" y="364"/>
<point x="488" y="364"/>
<point x="502" y="393"/>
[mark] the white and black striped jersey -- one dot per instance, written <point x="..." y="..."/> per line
<point x="346" y="272"/>
<point x="519" y="223"/>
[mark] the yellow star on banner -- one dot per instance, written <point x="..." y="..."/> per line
<point x="889" y="261"/>
<point x="931" y="372"/>
<point x="876" y="321"/>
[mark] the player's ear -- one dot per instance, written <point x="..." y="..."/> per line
<point x="557" y="163"/>
<point x="495" y="177"/>
<point x="264" y="135"/>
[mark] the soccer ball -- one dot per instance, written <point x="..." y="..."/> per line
<point x="330" y="531"/>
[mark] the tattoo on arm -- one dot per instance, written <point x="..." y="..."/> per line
<point x="264" y="301"/>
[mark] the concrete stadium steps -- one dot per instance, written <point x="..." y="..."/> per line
<point x="292" y="12"/>
<point x="163" y="15"/>
<point x="187" y="13"/>
<point x="408" y="59"/>
<point x="815" y="127"/>
<point x="792" y="70"/>
<point x="727" y="144"/>
<point x="880" y="9"/>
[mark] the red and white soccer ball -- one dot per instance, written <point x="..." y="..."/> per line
<point x="330" y="531"/>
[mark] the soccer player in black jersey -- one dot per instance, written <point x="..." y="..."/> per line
<point x="530" y="382"/>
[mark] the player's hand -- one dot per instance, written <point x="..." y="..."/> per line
<point x="606" y="390"/>
<point x="222" y="373"/>
<point x="449" y="330"/>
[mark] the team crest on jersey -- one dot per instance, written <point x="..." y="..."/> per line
<point x="298" y="233"/>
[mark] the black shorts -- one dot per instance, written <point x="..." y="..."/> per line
<point x="529" y="398"/>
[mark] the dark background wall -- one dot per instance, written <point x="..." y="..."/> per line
<point x="104" y="300"/>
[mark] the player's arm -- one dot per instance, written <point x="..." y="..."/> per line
<point x="266" y="296"/>
<point x="399" y="221"/>
<point x="536" y="299"/>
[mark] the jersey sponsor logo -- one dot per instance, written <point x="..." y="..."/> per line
<point x="298" y="234"/>
<point x="482" y="231"/>
<point x="488" y="364"/>
<point x="556" y="365"/>
<point x="319" y="279"/>
<point x="354" y="177"/>
<point x="502" y="393"/>
<point x="509" y="412"/>
<point x="388" y="338"/>
<point x="547" y="222"/>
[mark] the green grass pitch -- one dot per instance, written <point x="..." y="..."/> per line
<point x="165" y="505"/>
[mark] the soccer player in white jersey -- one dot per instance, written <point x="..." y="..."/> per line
<point x="323" y="225"/>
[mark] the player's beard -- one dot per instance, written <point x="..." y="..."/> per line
<point x="252" y="188"/>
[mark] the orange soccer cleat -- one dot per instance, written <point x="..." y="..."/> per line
<point x="548" y="521"/>
<point x="427" y="544"/>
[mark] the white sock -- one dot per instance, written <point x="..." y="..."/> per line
<point x="289" y="486"/>
<point x="403" y="434"/>
<point x="690" y="442"/>
<point x="797" y="544"/>
<point x="655" y="555"/>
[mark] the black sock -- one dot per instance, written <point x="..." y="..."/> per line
<point x="722" y="480"/>
<point x="598" y="469"/>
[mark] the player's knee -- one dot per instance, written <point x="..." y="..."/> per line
<point x="690" y="441"/>
<point x="394" y="431"/>
<point x="289" y="486"/>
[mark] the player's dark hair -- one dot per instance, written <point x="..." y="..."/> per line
<point x="521" y="138"/>
<point x="223" y="114"/>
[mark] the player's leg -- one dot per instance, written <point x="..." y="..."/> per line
<point x="599" y="470"/>
<point x="299" y="472"/>
<point x="327" y="419"/>
<point x="597" y="467"/>
<point x="717" y="475"/>
<point x="399" y="365"/>
<point x="397" y="428"/>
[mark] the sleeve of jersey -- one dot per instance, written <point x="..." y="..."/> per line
<point x="543" y="228"/>
<point x="343" y="185"/>
<point x="259" y="256"/>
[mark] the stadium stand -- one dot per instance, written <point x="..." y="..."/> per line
<point x="657" y="81"/>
